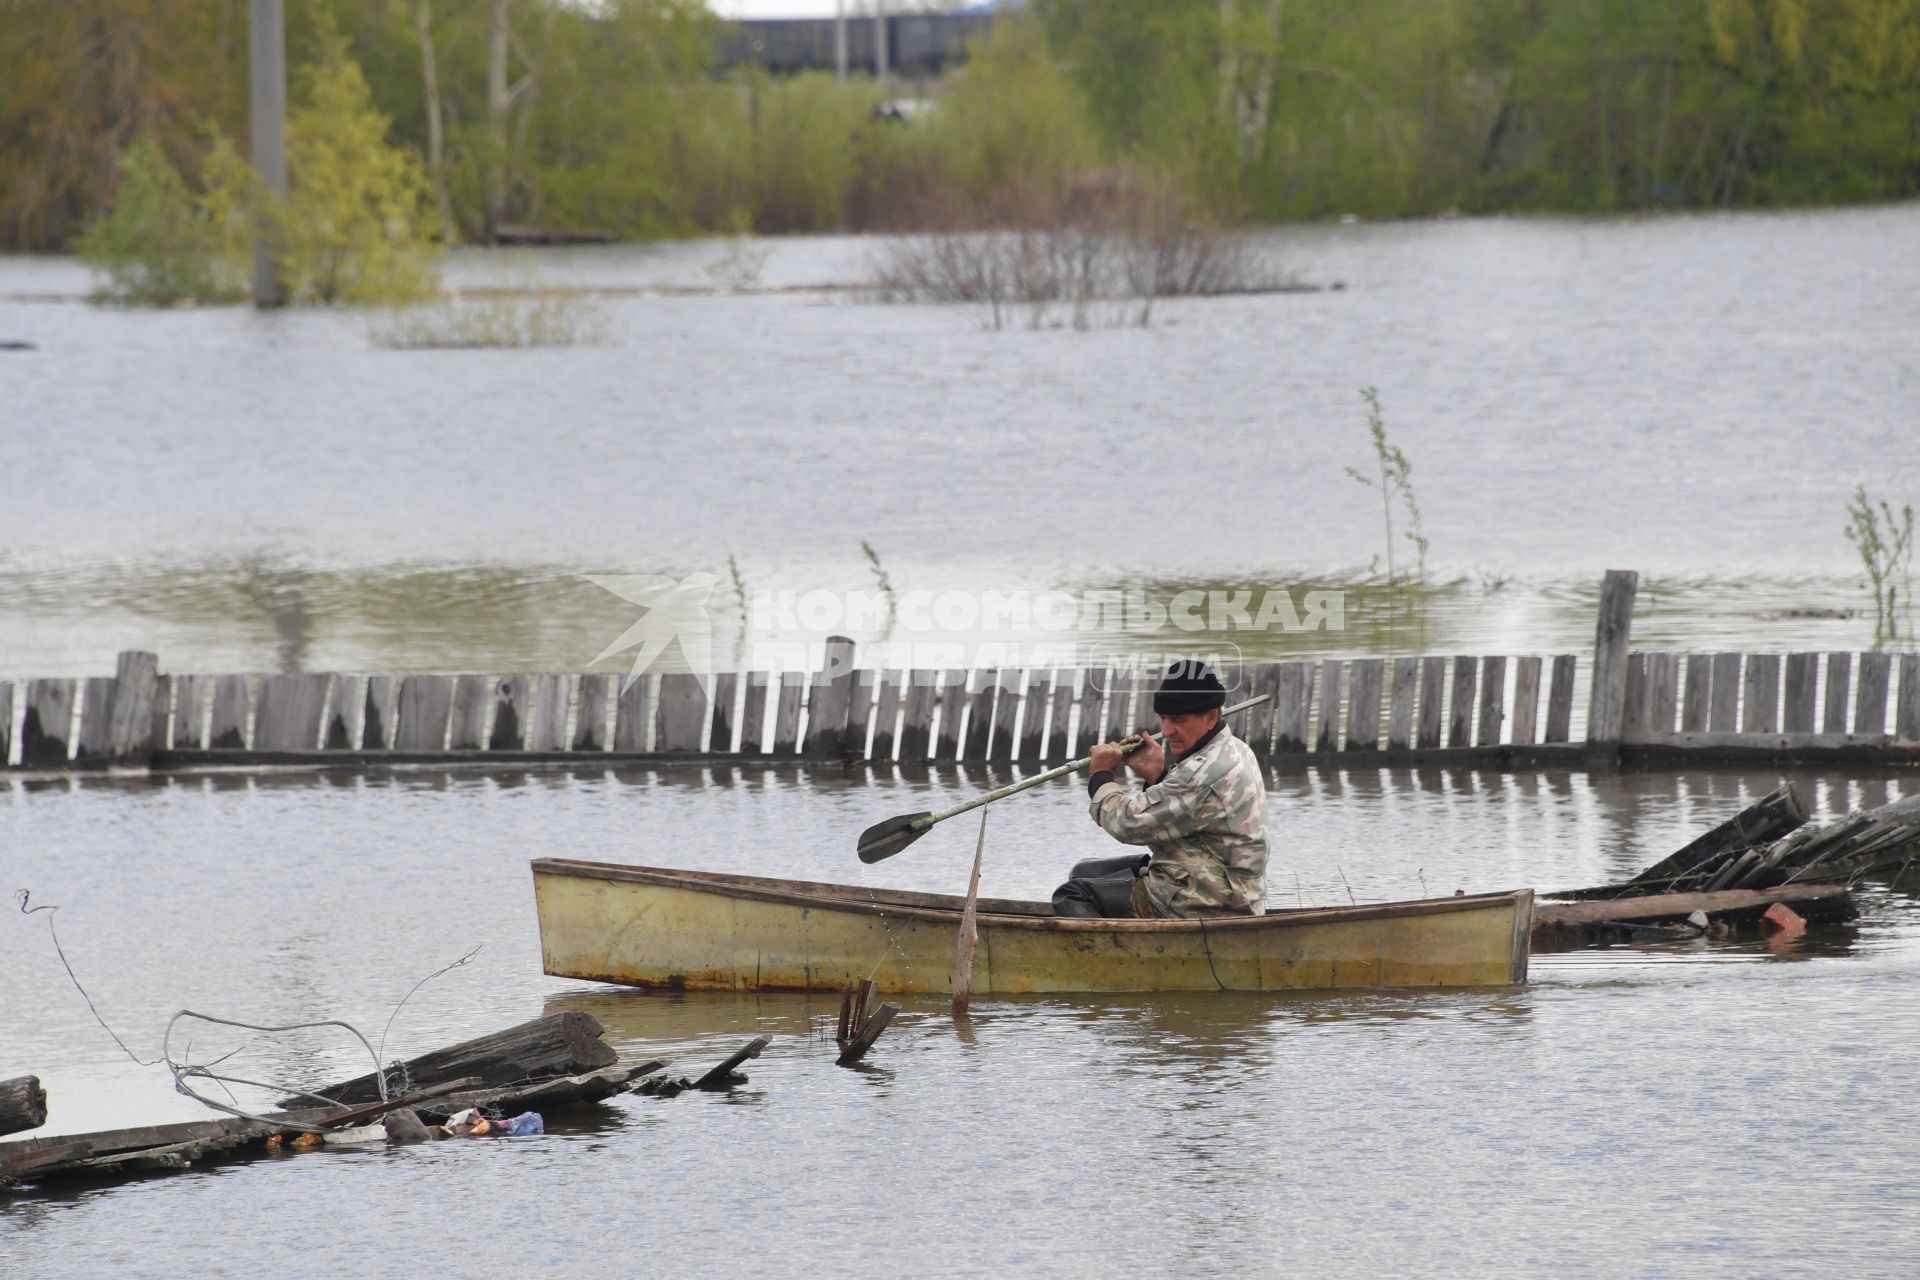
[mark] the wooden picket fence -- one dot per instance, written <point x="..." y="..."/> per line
<point x="1467" y="708"/>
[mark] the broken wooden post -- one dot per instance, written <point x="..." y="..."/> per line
<point x="1613" y="633"/>
<point x="869" y="1031"/>
<point x="23" y="1104"/>
<point x="830" y="703"/>
<point x="1768" y="818"/>
<point x="969" y="929"/>
<point x="724" y="1076"/>
<point x="136" y="685"/>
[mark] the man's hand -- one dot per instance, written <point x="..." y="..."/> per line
<point x="1106" y="758"/>
<point x="1147" y="760"/>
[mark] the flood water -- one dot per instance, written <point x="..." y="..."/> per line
<point x="1692" y="397"/>
<point x="1668" y="1104"/>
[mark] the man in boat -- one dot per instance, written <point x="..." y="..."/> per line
<point x="1202" y="810"/>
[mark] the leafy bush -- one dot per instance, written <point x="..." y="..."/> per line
<point x="160" y="244"/>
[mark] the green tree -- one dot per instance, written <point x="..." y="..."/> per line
<point x="160" y="244"/>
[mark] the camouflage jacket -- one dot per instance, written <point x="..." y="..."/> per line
<point x="1206" y="823"/>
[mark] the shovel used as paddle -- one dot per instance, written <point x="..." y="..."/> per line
<point x="884" y="839"/>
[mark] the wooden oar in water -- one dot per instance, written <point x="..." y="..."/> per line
<point x="884" y="839"/>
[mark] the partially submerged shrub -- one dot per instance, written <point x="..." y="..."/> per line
<point x="160" y="244"/>
<point x="531" y="318"/>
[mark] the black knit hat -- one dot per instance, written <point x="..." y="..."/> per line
<point x="1188" y="688"/>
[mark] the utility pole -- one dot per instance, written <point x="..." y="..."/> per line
<point x="840" y="40"/>
<point x="268" y="127"/>
<point x="880" y="42"/>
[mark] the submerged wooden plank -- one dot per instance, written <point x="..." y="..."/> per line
<point x="1560" y="700"/>
<point x="1526" y="702"/>
<point x="46" y="728"/>
<point x="1405" y="698"/>
<point x="90" y="742"/>
<point x="1722" y="709"/>
<point x="683" y="713"/>
<point x="1363" y="704"/>
<point x="1493" y="701"/>
<point x="1466" y="679"/>
<point x="722" y="739"/>
<point x="1760" y="694"/>
<point x="1870" y="704"/>
<point x="1326" y="733"/>
<point x="380" y="725"/>
<point x="633" y="713"/>
<point x="597" y="695"/>
<point x="1839" y="687"/>
<point x="468" y="729"/>
<point x="1802" y="676"/>
<point x="1033" y="716"/>
<point x="512" y="712"/>
<point x="786" y="713"/>
<point x="547" y="717"/>
<point x="425" y="704"/>
<point x="1693" y="711"/>
<point x="1661" y="906"/>
<point x="1291" y="706"/>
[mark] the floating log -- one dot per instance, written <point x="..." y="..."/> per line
<point x="1557" y="925"/>
<point x="726" y="1074"/>
<point x="23" y="1104"/>
<point x="559" y="1044"/>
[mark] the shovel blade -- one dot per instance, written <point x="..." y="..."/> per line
<point x="884" y="839"/>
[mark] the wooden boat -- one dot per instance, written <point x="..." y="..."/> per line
<point x="651" y="927"/>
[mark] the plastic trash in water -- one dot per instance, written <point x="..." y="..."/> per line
<point x="524" y="1123"/>
<point x="364" y="1136"/>
<point x="472" y="1124"/>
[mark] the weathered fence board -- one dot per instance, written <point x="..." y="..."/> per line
<point x="1403" y="701"/>
<point x="1033" y="716"/>
<point x="886" y="714"/>
<point x="786" y="716"/>
<point x="726" y="713"/>
<point x="1291" y="706"/>
<point x="1699" y="695"/>
<point x="424" y="706"/>
<point x="1466" y="679"/>
<point x="1093" y="693"/>
<point x="1606" y="702"/>
<point x="1057" y="740"/>
<point x="633" y="713"/>
<point x="1265" y="679"/>
<point x="6" y="723"/>
<point x="512" y="709"/>
<point x="1839" y="686"/>
<point x="1433" y="698"/>
<point x="1525" y="731"/>
<point x="953" y="701"/>
<point x="471" y="696"/>
<point x="1802" y="677"/>
<point x="547" y="717"/>
<point x="1870" y="706"/>
<point x="1760" y="694"/>
<point x="1663" y="692"/>
<point x="1363" y="704"/>
<point x="46" y="729"/>
<point x="1006" y="711"/>
<point x="1723" y="708"/>
<point x="287" y="714"/>
<point x="866" y="684"/>
<point x="1906" y="721"/>
<point x="597" y="693"/>
<point x="380" y="723"/>
<point x="190" y="697"/>
<point x="91" y="741"/>
<point x="921" y="700"/>
<point x="343" y="695"/>
<point x="1326" y="732"/>
<point x="1493" y="702"/>
<point x="756" y="728"/>
<point x="1560" y="700"/>
<point x="980" y="715"/>
<point x="1632" y="718"/>
<point x="830" y="702"/>
<point x="1119" y="720"/>
<point x="682" y="713"/>
<point x="136" y="681"/>
<point x="162" y="714"/>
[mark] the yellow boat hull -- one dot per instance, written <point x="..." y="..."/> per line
<point x="651" y="927"/>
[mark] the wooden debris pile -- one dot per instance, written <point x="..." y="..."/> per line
<point x="548" y="1064"/>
